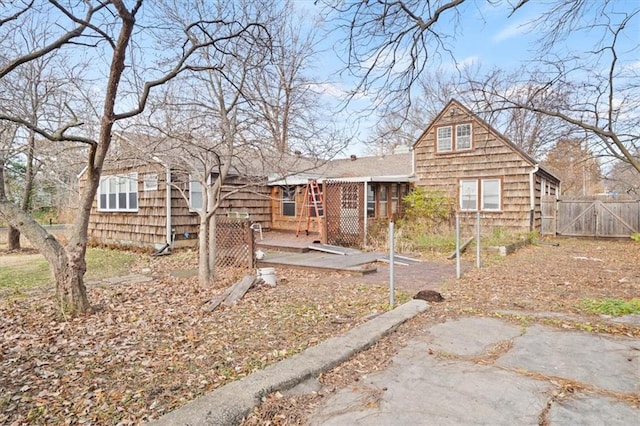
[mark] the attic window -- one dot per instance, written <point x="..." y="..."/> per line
<point x="444" y="139"/>
<point x="447" y="138"/>
<point x="463" y="136"/>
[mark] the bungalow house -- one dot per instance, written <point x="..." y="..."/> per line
<point x="464" y="157"/>
<point x="356" y="193"/>
<point x="143" y="202"/>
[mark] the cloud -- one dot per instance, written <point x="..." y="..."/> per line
<point x="514" y="30"/>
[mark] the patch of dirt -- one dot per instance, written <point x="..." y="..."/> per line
<point x="150" y="348"/>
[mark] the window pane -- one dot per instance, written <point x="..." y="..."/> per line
<point x="491" y="194"/>
<point x="468" y="195"/>
<point x="444" y="138"/>
<point x="122" y="201"/>
<point x="463" y="136"/>
<point x="112" y="201"/>
<point x="113" y="183"/>
<point x="195" y="195"/>
<point x="103" y="201"/>
<point x="288" y="201"/>
<point x="133" y="200"/>
<point x="371" y="201"/>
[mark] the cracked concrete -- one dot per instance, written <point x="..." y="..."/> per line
<point x="488" y="371"/>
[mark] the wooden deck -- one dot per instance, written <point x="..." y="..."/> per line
<point x="286" y="241"/>
<point x="284" y="249"/>
<point x="359" y="263"/>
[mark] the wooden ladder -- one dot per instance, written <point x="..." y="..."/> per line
<point x="312" y="200"/>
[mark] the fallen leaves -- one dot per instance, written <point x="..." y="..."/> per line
<point x="149" y="348"/>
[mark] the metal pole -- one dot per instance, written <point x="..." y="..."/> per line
<point x="457" y="245"/>
<point x="478" y="240"/>
<point x="392" y="283"/>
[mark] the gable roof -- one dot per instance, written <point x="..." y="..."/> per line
<point x="499" y="135"/>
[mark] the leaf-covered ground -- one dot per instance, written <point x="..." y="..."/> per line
<point x="538" y="283"/>
<point x="150" y="347"/>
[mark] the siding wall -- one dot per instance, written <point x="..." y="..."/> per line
<point x="144" y="228"/>
<point x="490" y="157"/>
<point x="147" y="226"/>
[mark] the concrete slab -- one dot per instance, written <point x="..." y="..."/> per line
<point x="470" y="336"/>
<point x="610" y="363"/>
<point x="593" y="410"/>
<point x="422" y="389"/>
<point x="230" y="403"/>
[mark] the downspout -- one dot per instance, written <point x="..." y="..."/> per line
<point x="366" y="204"/>
<point x="532" y="195"/>
<point x="167" y="196"/>
<point x="167" y="191"/>
<point x="413" y="162"/>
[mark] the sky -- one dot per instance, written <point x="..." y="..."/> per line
<point x="485" y="36"/>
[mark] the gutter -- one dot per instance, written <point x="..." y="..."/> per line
<point x="167" y="181"/>
<point x="532" y="195"/>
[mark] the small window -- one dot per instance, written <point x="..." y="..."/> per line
<point x="195" y="195"/>
<point x="118" y="193"/>
<point x="394" y="198"/>
<point x="445" y="138"/>
<point x="383" y="201"/>
<point x="463" y="136"/>
<point x="288" y="200"/>
<point x="468" y="195"/>
<point x="150" y="182"/>
<point x="371" y="200"/>
<point x="491" y="194"/>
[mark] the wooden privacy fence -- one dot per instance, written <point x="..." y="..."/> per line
<point x="591" y="218"/>
<point x="235" y="243"/>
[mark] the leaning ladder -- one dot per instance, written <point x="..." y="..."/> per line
<point x="312" y="200"/>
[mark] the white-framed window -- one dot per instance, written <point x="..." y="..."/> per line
<point x="150" y="182"/>
<point x="463" y="136"/>
<point x="445" y="139"/>
<point x="118" y="193"/>
<point x="383" y="201"/>
<point x="371" y="200"/>
<point x="491" y="194"/>
<point x="469" y="195"/>
<point x="195" y="195"/>
<point x="288" y="200"/>
<point x="394" y="198"/>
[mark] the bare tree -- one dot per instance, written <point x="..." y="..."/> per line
<point x="390" y="43"/>
<point x="95" y="30"/>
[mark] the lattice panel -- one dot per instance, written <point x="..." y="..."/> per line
<point x="234" y="243"/>
<point x="344" y="212"/>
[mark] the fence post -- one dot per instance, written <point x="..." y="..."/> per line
<point x="391" y="265"/>
<point x="457" y="245"/>
<point x="478" y="240"/>
<point x="250" y="237"/>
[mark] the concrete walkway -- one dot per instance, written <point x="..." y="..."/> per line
<point x="488" y="371"/>
<point x="230" y="403"/>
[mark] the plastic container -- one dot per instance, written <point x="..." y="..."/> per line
<point x="268" y="275"/>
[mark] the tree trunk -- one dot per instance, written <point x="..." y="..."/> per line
<point x="211" y="258"/>
<point x="67" y="263"/>
<point x="70" y="289"/>
<point x="204" y="272"/>
<point x="13" y="238"/>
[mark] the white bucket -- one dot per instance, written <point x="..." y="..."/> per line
<point x="268" y="275"/>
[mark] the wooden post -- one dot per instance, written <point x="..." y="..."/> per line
<point x="249" y="237"/>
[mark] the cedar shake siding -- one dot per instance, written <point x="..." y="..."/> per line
<point x="145" y="225"/>
<point x="489" y="160"/>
